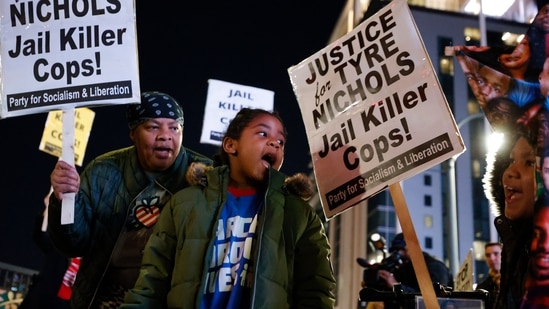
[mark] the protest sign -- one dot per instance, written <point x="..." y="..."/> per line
<point x="223" y="103"/>
<point x="373" y="109"/>
<point x="52" y="136"/>
<point x="64" y="55"/>
<point x="59" y="56"/>
<point x="465" y="278"/>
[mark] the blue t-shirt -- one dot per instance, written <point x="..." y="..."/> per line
<point x="230" y="275"/>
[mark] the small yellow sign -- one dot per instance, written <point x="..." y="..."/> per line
<point x="466" y="276"/>
<point x="52" y="138"/>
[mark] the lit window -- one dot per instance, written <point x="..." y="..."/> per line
<point x="428" y="221"/>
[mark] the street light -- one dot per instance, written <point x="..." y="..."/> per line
<point x="452" y="204"/>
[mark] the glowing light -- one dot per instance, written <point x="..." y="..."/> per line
<point x="493" y="141"/>
<point x="489" y="7"/>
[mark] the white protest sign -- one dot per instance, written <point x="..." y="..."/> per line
<point x="224" y="101"/>
<point x="465" y="278"/>
<point x="64" y="55"/>
<point x="67" y="54"/>
<point x="373" y="109"/>
<point x="52" y="137"/>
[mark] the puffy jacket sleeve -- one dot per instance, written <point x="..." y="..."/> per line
<point x="153" y="284"/>
<point x="75" y="239"/>
<point x="314" y="281"/>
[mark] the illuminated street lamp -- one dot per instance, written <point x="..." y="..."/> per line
<point x="377" y="242"/>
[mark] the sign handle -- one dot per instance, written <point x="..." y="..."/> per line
<point x="67" y="155"/>
<point x="412" y="243"/>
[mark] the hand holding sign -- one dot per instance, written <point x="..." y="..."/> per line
<point x="64" y="179"/>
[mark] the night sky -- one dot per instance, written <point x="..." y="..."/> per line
<point x="181" y="45"/>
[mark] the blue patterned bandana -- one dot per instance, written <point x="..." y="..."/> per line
<point x="154" y="104"/>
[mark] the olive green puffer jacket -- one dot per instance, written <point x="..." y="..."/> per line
<point x="292" y="257"/>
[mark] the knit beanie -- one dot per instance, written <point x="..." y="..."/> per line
<point x="154" y="104"/>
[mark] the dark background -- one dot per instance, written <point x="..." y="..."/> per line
<point x="180" y="47"/>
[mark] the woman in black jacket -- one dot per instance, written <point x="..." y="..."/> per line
<point x="511" y="184"/>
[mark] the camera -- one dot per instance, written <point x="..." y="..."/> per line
<point x="370" y="275"/>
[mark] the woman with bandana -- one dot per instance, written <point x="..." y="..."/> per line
<point x="118" y="200"/>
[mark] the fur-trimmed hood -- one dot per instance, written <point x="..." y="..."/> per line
<point x="496" y="163"/>
<point x="298" y="184"/>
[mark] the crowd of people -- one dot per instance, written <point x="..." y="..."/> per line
<point x="158" y="225"/>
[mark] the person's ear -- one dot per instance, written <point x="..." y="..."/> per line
<point x="132" y="134"/>
<point x="229" y="145"/>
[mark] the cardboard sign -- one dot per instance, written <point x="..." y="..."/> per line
<point x="63" y="55"/>
<point x="223" y="103"/>
<point x="465" y="278"/>
<point x="52" y="138"/>
<point x="373" y="109"/>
